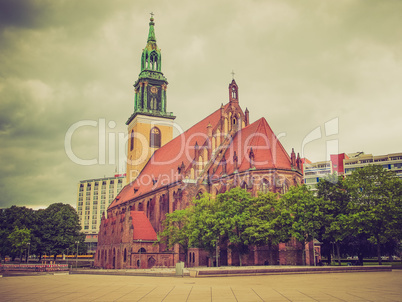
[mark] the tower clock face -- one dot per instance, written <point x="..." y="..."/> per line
<point x="154" y="89"/>
<point x="154" y="98"/>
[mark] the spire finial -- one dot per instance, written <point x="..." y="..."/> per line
<point x="151" y="34"/>
<point x="233" y="73"/>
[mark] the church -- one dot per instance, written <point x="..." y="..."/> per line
<point x="222" y="151"/>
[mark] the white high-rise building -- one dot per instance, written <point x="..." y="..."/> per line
<point x="94" y="197"/>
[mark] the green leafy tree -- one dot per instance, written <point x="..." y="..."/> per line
<point x="10" y="218"/>
<point x="377" y="208"/>
<point x="19" y="239"/>
<point x="359" y="245"/>
<point x="265" y="226"/>
<point x="334" y="205"/>
<point x="59" y="229"/>
<point x="204" y="231"/>
<point x="300" y="211"/>
<point x="176" y="229"/>
<point x="233" y="216"/>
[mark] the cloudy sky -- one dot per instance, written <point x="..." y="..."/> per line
<point x="325" y="74"/>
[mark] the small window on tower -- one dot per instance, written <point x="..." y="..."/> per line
<point x="155" y="138"/>
<point x="132" y="140"/>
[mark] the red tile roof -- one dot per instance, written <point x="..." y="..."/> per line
<point x="142" y="227"/>
<point x="268" y="151"/>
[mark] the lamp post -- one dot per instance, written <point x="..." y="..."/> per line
<point x="315" y="264"/>
<point x="29" y="245"/>
<point x="76" y="258"/>
<point x="140" y="250"/>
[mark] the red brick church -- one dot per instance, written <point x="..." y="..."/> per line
<point x="222" y="151"/>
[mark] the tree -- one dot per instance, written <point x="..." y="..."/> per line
<point x="52" y="230"/>
<point x="376" y="205"/>
<point x="59" y="229"/>
<point x="265" y="226"/>
<point x="204" y="229"/>
<point x="10" y="218"/>
<point x="233" y="216"/>
<point x="19" y="239"/>
<point x="176" y="228"/>
<point x="301" y="212"/>
<point x="334" y="205"/>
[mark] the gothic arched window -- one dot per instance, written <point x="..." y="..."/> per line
<point x="154" y="60"/>
<point x="155" y="138"/>
<point x="285" y="187"/>
<point x="264" y="186"/>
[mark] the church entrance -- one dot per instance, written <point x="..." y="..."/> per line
<point x="151" y="262"/>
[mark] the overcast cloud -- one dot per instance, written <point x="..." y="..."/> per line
<point x="299" y="64"/>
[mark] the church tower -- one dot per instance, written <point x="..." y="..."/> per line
<point x="150" y="126"/>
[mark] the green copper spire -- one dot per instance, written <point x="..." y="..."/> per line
<point x="151" y="87"/>
<point x="151" y="34"/>
<point x="151" y="55"/>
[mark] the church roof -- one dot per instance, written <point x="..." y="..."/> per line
<point x="143" y="229"/>
<point x="259" y="139"/>
<point x="162" y="168"/>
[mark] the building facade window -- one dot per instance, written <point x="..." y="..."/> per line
<point x="264" y="186"/>
<point x="132" y="140"/>
<point x="155" y="138"/>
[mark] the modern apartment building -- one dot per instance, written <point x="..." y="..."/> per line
<point x="344" y="164"/>
<point x="391" y="162"/>
<point x="312" y="172"/>
<point x="94" y="197"/>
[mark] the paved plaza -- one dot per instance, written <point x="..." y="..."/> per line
<point x="372" y="286"/>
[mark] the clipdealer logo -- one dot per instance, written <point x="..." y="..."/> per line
<point x="112" y="145"/>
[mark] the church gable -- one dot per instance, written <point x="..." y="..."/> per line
<point x="253" y="147"/>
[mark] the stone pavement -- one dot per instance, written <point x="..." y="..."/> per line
<point x="359" y="286"/>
